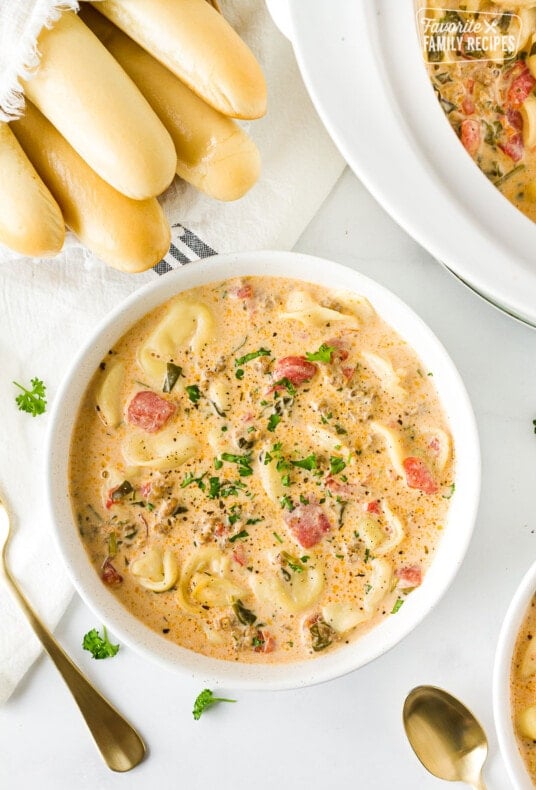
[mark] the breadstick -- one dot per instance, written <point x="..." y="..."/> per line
<point x="88" y="97"/>
<point x="213" y="152"/>
<point x="199" y="46"/>
<point x="131" y="235"/>
<point x="30" y="219"/>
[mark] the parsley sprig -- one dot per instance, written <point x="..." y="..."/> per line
<point x="32" y="400"/>
<point x="99" y="646"/>
<point x="205" y="700"/>
<point x="262" y="352"/>
<point x="322" y="355"/>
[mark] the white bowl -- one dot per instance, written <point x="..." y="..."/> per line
<point x="457" y="530"/>
<point x="501" y="681"/>
<point x="372" y="92"/>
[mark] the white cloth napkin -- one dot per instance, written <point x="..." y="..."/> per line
<point x="48" y="308"/>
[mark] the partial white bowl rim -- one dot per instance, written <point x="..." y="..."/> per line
<point x="372" y="92"/>
<point x="455" y="538"/>
<point x="501" y="680"/>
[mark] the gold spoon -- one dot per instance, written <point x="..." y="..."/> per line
<point x="445" y="736"/>
<point x="118" y="742"/>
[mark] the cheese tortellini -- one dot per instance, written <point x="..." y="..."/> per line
<point x="187" y="323"/>
<point x="302" y="307"/>
<point x="109" y="405"/>
<point x="165" y="450"/>
<point x="296" y="591"/>
<point x="383" y="369"/>
<point x="206" y="580"/>
<point x="155" y="570"/>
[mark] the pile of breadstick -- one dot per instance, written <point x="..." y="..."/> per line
<point x="128" y="93"/>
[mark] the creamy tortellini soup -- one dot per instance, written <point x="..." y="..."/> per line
<point x="261" y="469"/>
<point x="523" y="690"/>
<point x="481" y="58"/>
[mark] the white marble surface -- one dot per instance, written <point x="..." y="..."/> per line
<point x="346" y="733"/>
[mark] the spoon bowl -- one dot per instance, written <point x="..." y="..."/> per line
<point x="120" y="745"/>
<point x="445" y="736"/>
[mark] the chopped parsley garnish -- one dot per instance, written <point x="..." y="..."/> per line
<point x="218" y="463"/>
<point x="322" y="355"/>
<point x="340" y="430"/>
<point x="239" y="374"/>
<point x="336" y="465"/>
<point x="99" y="646"/>
<point x="173" y="373"/>
<point x="242" y="535"/>
<point x="190" y="478"/>
<point x="285" y="480"/>
<point x="193" y="392"/>
<point x="293" y="562"/>
<point x="243" y="462"/>
<point x="273" y="422"/>
<point x="235" y="513"/>
<point x="287" y="384"/>
<point x="253" y="521"/>
<point x="218" y="490"/>
<point x="397" y="606"/>
<point x="308" y="463"/>
<point x="262" y="352"/>
<point x="277" y="537"/>
<point x="286" y="501"/>
<point x="32" y="401"/>
<point x="205" y="700"/>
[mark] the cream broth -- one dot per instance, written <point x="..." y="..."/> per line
<point x="488" y="93"/>
<point x="261" y="469"/>
<point x="523" y="690"/>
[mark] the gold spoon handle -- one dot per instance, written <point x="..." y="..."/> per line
<point x="118" y="742"/>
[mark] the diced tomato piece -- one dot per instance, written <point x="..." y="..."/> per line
<point x="239" y="555"/>
<point x="308" y="524"/>
<point x="471" y="135"/>
<point x="335" y="487"/>
<point x="245" y="292"/>
<point x="373" y="507"/>
<point x="468" y="105"/>
<point x="266" y="640"/>
<point x="515" y="119"/>
<point x="149" y="411"/>
<point x="410" y="576"/>
<point x="109" y="574"/>
<point x="296" y="369"/>
<point x="341" y="353"/>
<point x="349" y="373"/>
<point x="145" y="489"/>
<point x="419" y="476"/>
<point x="520" y="88"/>
<point x="514" y="148"/>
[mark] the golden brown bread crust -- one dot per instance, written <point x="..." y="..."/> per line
<point x="213" y="152"/>
<point x="31" y="222"/>
<point x="88" y="97"/>
<point x="199" y="46"/>
<point x="130" y="235"/>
